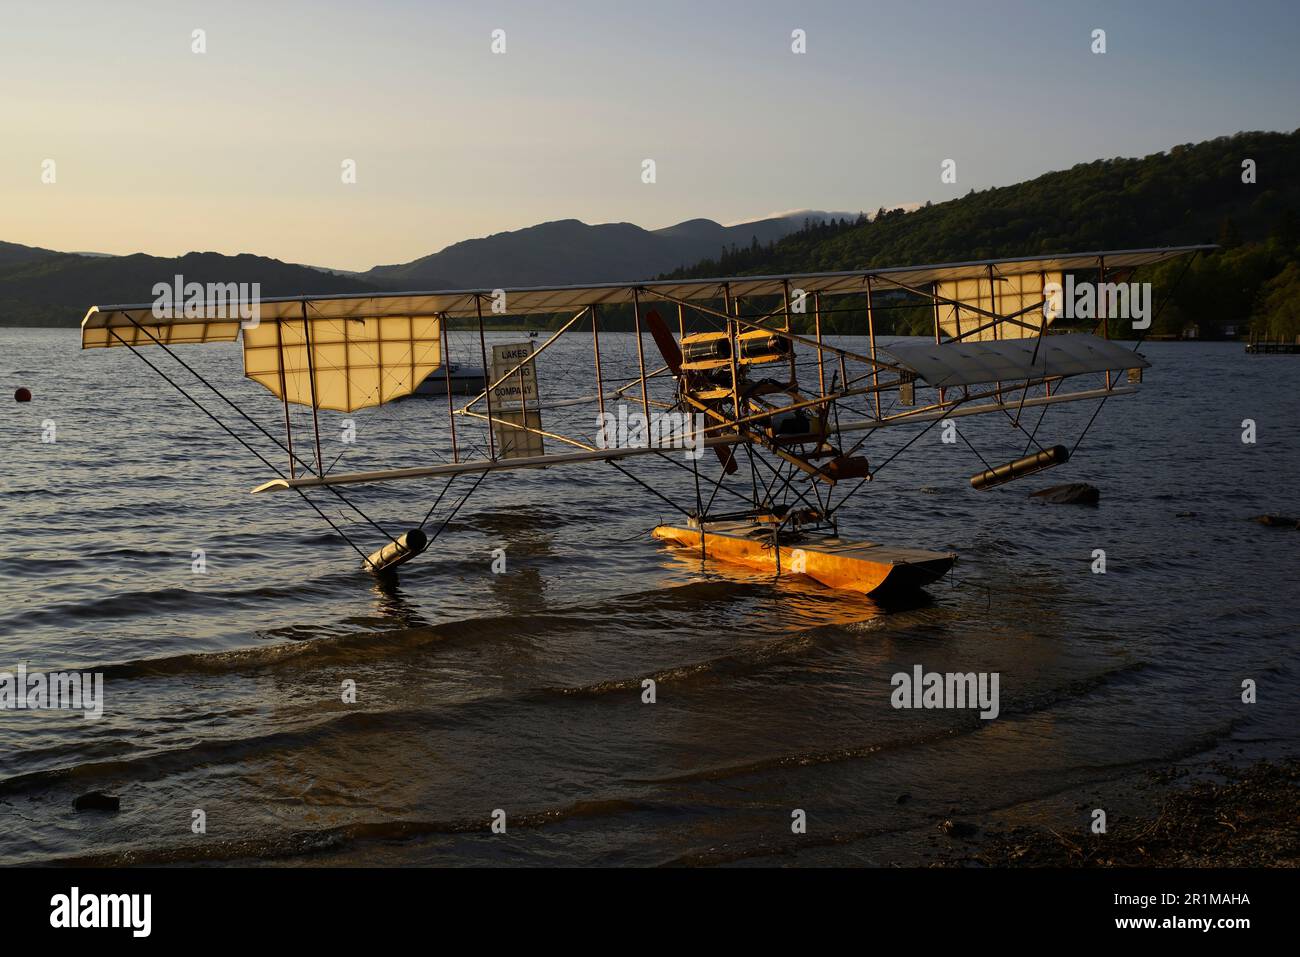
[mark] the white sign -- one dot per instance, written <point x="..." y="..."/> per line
<point x="514" y="402"/>
<point x="522" y="383"/>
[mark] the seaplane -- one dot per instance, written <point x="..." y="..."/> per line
<point x="769" y="417"/>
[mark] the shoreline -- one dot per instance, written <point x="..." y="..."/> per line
<point x="1216" y="813"/>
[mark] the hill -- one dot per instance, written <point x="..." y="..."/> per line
<point x="42" y="287"/>
<point x="56" y="289"/>
<point x="570" y="251"/>
<point x="13" y="254"/>
<point x="1189" y="194"/>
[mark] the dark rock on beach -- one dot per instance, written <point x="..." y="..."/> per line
<point x="1226" y="816"/>
<point x="97" y="801"/>
<point x="1076" y="493"/>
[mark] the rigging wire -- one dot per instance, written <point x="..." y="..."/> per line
<point x="199" y="405"/>
<point x="188" y="368"/>
<point x="1041" y="415"/>
<point x="1095" y="412"/>
<point x="655" y="492"/>
<point x="425" y="521"/>
<point x="257" y="425"/>
<point x="1160" y="308"/>
<point x="962" y="435"/>
<point x="933" y="422"/>
<point x="718" y="486"/>
<point x="452" y="514"/>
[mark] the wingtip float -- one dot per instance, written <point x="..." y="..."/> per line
<point x="1019" y="468"/>
<point x="397" y="552"/>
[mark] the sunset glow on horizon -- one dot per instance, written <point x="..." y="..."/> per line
<point x="242" y="147"/>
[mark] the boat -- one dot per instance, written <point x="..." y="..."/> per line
<point x="461" y="380"/>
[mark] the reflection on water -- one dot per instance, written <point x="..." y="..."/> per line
<point x="391" y="604"/>
<point x="526" y="690"/>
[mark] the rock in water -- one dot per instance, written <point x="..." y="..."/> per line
<point x="97" y="801"/>
<point x="1077" y="493"/>
<point x="1276" y="521"/>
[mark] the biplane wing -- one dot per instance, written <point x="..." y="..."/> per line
<point x="338" y="354"/>
<point x="750" y="371"/>
<point x="1010" y="360"/>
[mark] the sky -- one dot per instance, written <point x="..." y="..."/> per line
<point x="241" y="148"/>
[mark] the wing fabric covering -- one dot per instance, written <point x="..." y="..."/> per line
<point x="343" y="364"/>
<point x="1019" y="295"/>
<point x="971" y="363"/>
<point x="144" y="330"/>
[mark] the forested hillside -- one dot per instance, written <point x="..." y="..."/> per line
<point x="1189" y="194"/>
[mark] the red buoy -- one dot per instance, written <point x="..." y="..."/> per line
<point x="23" y="394"/>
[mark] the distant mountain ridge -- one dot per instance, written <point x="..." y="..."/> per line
<point x="43" y="287"/>
<point x="14" y="254"/>
<point x="39" y="287"/>
<point x="569" y="251"/>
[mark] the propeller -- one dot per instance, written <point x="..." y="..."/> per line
<point x="672" y="354"/>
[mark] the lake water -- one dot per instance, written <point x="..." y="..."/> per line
<point x="522" y="692"/>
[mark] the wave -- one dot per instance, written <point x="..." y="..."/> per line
<point x="221" y="751"/>
<point x="306" y="843"/>
<point x="333" y="649"/>
<point x="746" y="659"/>
<point x="968" y="722"/>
